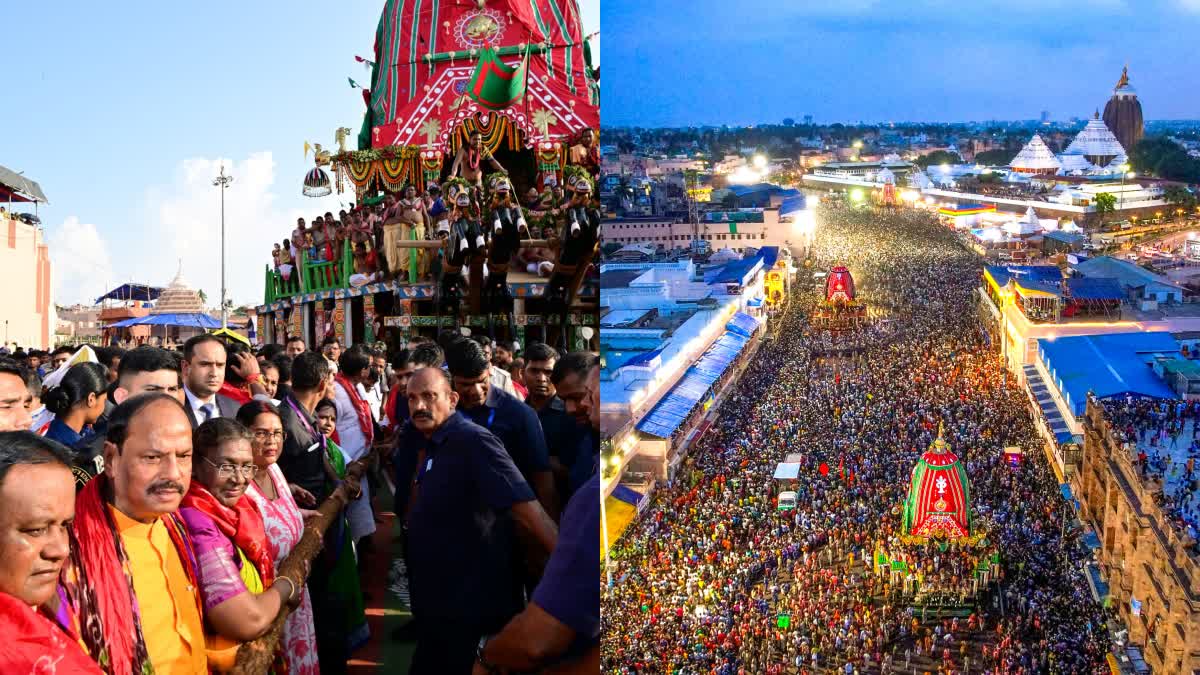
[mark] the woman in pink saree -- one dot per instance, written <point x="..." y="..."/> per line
<point x="284" y="525"/>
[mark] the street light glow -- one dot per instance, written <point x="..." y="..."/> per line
<point x="856" y="195"/>
<point x="760" y="162"/>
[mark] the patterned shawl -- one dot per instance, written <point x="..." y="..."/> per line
<point x="100" y="582"/>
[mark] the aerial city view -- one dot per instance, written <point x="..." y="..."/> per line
<point x="300" y="366"/>
<point x="899" y="338"/>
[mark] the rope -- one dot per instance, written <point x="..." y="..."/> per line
<point x="257" y="656"/>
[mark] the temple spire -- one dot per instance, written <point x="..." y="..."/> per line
<point x="1124" y="77"/>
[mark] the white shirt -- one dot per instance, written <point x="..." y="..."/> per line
<point x="350" y="435"/>
<point x="501" y="379"/>
<point x="196" y="404"/>
<point x="373" y="397"/>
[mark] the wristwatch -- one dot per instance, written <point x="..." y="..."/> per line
<point x="491" y="668"/>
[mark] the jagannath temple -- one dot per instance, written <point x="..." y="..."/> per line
<point x="1099" y="150"/>
<point x="479" y="151"/>
<point x="939" y="495"/>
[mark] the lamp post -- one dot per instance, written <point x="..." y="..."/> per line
<point x="222" y="181"/>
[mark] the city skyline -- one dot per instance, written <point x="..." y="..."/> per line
<point x="863" y="61"/>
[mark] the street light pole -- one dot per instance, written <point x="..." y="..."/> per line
<point x="222" y="181"/>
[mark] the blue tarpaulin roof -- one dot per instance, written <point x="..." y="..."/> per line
<point x="673" y="409"/>
<point x="1095" y="288"/>
<point x="194" y="320"/>
<point x="1002" y="273"/>
<point x="791" y="205"/>
<point x="742" y="324"/>
<point x="131" y="292"/>
<point x="769" y="255"/>
<point x="643" y="358"/>
<point x="743" y="190"/>
<point x="733" y="272"/>
<point x="1107" y="365"/>
<point x="627" y="494"/>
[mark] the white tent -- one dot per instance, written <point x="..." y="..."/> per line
<point x="787" y="471"/>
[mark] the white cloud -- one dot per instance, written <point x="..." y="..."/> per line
<point x="81" y="267"/>
<point x="184" y="224"/>
<point x="1189" y="5"/>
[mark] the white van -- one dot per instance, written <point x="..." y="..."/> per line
<point x="787" y="500"/>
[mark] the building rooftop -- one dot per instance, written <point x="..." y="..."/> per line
<point x="618" y="278"/>
<point x="1106" y="365"/>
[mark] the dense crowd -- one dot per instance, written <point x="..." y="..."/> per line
<point x="704" y="577"/>
<point x="1164" y="441"/>
<point x="202" y="477"/>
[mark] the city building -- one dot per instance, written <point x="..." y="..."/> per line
<point x="1123" y="113"/>
<point x="78" y="324"/>
<point x="738" y="229"/>
<point x="29" y="319"/>
<point x="1148" y="557"/>
<point x="658" y="323"/>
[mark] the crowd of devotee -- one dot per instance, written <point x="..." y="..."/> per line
<point x="424" y="213"/>
<point x="1164" y="441"/>
<point x="713" y="578"/>
<point x="154" y="506"/>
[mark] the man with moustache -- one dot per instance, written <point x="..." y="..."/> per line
<point x="132" y="577"/>
<point x="470" y="503"/>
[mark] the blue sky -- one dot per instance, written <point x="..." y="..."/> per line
<point x="124" y="111"/>
<point x="675" y="63"/>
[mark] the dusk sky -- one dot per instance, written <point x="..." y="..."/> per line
<point x="675" y="63"/>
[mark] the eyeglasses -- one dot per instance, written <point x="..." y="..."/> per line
<point x="227" y="471"/>
<point x="262" y="435"/>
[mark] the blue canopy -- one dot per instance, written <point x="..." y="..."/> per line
<point x="1095" y="288"/>
<point x="742" y="324"/>
<point x="132" y="292"/>
<point x="194" y="320"/>
<point x="673" y="409"/>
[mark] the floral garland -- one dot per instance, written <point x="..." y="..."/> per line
<point x="393" y="166"/>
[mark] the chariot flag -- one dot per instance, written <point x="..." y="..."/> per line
<point x="495" y="85"/>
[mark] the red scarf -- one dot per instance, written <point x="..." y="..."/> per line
<point x="238" y="394"/>
<point x="34" y="644"/>
<point x="243" y="524"/>
<point x="365" y="421"/>
<point x="102" y="589"/>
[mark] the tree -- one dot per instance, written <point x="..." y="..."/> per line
<point x="789" y="122"/>
<point x="995" y="157"/>
<point x="1179" y="197"/>
<point x="1105" y="203"/>
<point x="1164" y="158"/>
<point x="938" y="157"/>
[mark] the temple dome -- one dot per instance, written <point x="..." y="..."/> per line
<point x="1096" y="143"/>
<point x="1035" y="157"/>
<point x="178" y="298"/>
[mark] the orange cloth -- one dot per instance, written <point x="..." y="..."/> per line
<point x="170" y="620"/>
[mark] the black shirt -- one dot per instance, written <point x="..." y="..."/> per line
<point x="303" y="458"/>
<point x="462" y="538"/>
<point x="517" y="427"/>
